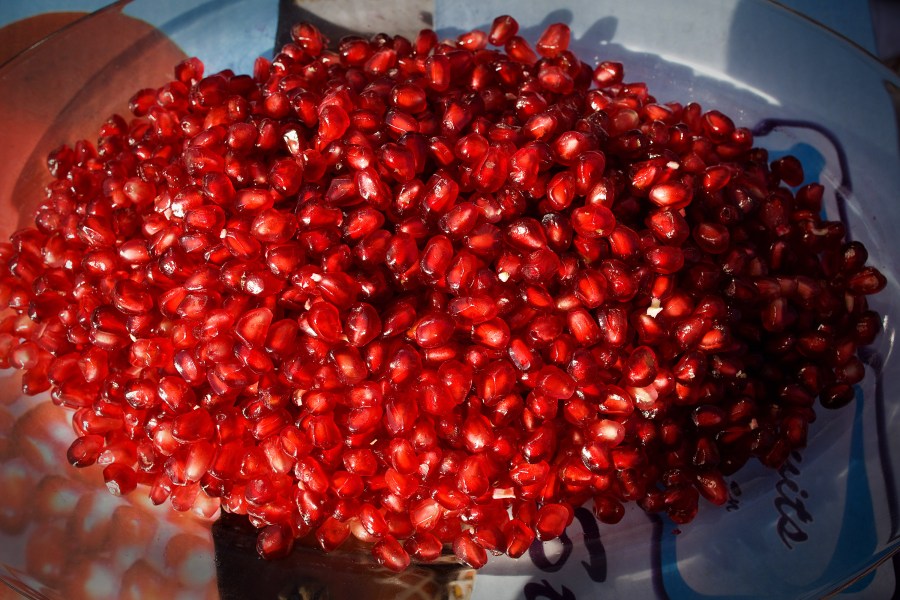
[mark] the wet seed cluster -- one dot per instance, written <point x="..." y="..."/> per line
<point x="430" y="294"/>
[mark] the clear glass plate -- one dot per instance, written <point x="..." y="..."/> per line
<point x="826" y="523"/>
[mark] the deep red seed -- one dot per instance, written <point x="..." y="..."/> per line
<point x="120" y="479"/>
<point x="789" y="169"/>
<point x="469" y="551"/>
<point x="502" y="29"/>
<point x="552" y="520"/>
<point x="866" y="281"/>
<point x="670" y="195"/>
<point x="519" y="50"/>
<point x="424" y="546"/>
<point x="555" y="383"/>
<point x="593" y="222"/>
<point x="554" y="40"/>
<point x="427" y="292"/>
<point x="390" y="554"/>
<point x="608" y="73"/>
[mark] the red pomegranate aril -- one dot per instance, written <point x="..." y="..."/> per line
<point x="469" y="551"/>
<point x="331" y="534"/>
<point x="253" y="326"/>
<point x="502" y="29"/>
<point x="641" y="366"/>
<point x="540" y="266"/>
<point x="473" y="309"/>
<point x="836" y="395"/>
<point x="520" y="51"/>
<point x="390" y="554"/>
<point x="193" y="426"/>
<point x="519" y="537"/>
<point x="866" y="281"/>
<point x="85" y="450"/>
<point x="372" y="520"/>
<point x="665" y="259"/>
<point x="608" y="73"/>
<point x="274" y="541"/>
<point x="424" y="546"/>
<point x="670" y="195"/>
<point x="554" y="40"/>
<point x="789" y="170"/>
<point x="493" y="333"/>
<point x="555" y="383"/>
<point x="471" y="148"/>
<point x="433" y="330"/>
<point x="429" y="293"/>
<point x="324" y="320"/>
<point x="593" y="222"/>
<point x="608" y="509"/>
<point x="120" y="479"/>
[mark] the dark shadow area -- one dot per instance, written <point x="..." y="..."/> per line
<point x="290" y="13"/>
<point x="307" y="573"/>
<point x="668" y="80"/>
<point x="407" y="18"/>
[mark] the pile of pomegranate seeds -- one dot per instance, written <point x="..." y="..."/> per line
<point x="431" y="293"/>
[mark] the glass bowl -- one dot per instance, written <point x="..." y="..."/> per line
<point x="825" y="523"/>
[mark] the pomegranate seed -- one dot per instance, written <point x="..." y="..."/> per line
<point x="331" y="534"/>
<point x="552" y="520"/>
<point x="253" y="326"/>
<point x="670" y="195"/>
<point x="608" y="73"/>
<point x="433" y="330"/>
<point x="789" y="170"/>
<point x="593" y="222"/>
<point x="866" y="281"/>
<point x="519" y="50"/>
<point x="347" y="294"/>
<point x="85" y="450"/>
<point x="390" y="554"/>
<point x="120" y="479"/>
<point x="519" y="537"/>
<point x="469" y="551"/>
<point x="424" y="546"/>
<point x="554" y="40"/>
<point x="665" y="259"/>
<point x="608" y="510"/>
<point x="555" y="383"/>
<point x="502" y="29"/>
